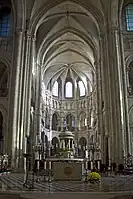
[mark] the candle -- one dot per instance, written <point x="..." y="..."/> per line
<point x="38" y="165"/>
<point x="49" y="165"/>
<point x="60" y="145"/>
<point x="25" y="164"/>
<point x="45" y="165"/>
<point x="63" y="144"/>
<point x="98" y="165"/>
<point x="36" y="139"/>
<point x="86" y="165"/>
<point x="91" y="165"/>
<point x="86" y="154"/>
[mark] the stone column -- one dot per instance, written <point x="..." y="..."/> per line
<point x="37" y="123"/>
<point x="100" y="98"/>
<point x="14" y="95"/>
<point x="31" y="54"/>
<point x="123" y="135"/>
<point x="107" y="123"/>
<point x="114" y="80"/>
<point x="25" y="99"/>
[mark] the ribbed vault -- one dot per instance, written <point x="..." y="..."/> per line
<point x="68" y="44"/>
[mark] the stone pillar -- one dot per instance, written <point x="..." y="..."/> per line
<point x="15" y="90"/>
<point x="25" y="102"/>
<point x="121" y="125"/>
<point x="115" y="107"/>
<point x="104" y="94"/>
<point x="37" y="122"/>
<point x="23" y="99"/>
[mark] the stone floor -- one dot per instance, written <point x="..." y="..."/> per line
<point x="14" y="182"/>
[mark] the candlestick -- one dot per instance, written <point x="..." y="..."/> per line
<point x="98" y="165"/>
<point x="25" y="164"/>
<point x="86" y="165"/>
<point x="63" y="144"/>
<point x="38" y="165"/>
<point x="86" y="154"/>
<point x="91" y="165"/>
<point x="45" y="165"/>
<point x="60" y="144"/>
<point x="50" y="165"/>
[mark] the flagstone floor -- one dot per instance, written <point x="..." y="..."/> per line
<point x="14" y="182"/>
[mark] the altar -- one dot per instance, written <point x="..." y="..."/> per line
<point x="66" y="169"/>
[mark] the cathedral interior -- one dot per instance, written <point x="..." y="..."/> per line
<point x="66" y="67"/>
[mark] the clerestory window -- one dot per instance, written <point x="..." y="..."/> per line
<point x="5" y="22"/>
<point x="81" y="89"/>
<point x="129" y="17"/>
<point x="68" y="89"/>
<point x="55" y="89"/>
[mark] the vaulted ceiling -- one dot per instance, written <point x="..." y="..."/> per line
<point x="67" y="36"/>
<point x="67" y="43"/>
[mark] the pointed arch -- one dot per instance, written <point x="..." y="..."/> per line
<point x="55" y="122"/>
<point x="55" y="146"/>
<point x="82" y="121"/>
<point x="55" y="89"/>
<point x="81" y="88"/>
<point x="47" y="119"/>
<point x="70" y="122"/>
<point x="68" y="89"/>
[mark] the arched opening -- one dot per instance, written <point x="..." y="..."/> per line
<point x="55" y="146"/>
<point x="47" y="119"/>
<point x="82" y="146"/>
<point x="82" y="121"/>
<point x="81" y="88"/>
<point x="68" y="89"/>
<point x="68" y="53"/>
<point x="55" y="122"/>
<point x="70" y="122"/>
<point x="55" y="89"/>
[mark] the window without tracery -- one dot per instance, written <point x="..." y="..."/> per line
<point x="5" y="21"/>
<point x="55" y="89"/>
<point x="129" y="17"/>
<point x="81" y="89"/>
<point x="68" y="89"/>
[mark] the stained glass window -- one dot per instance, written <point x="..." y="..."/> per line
<point x="129" y="17"/>
<point x="5" y="22"/>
